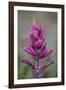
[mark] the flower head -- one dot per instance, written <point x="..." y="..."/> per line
<point x="38" y="44"/>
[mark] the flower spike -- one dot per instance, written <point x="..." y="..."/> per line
<point x="38" y="50"/>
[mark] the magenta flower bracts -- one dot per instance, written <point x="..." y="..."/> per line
<point x="37" y="48"/>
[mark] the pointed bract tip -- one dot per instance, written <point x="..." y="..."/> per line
<point x="24" y="48"/>
<point x="52" y="52"/>
<point x="34" y="21"/>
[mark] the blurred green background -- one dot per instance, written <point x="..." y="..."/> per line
<point x="48" y="20"/>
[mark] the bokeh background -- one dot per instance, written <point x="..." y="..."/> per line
<point x="48" y="20"/>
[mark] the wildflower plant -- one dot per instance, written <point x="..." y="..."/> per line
<point x="38" y="50"/>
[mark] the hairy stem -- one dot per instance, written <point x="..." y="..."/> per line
<point x="37" y="68"/>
